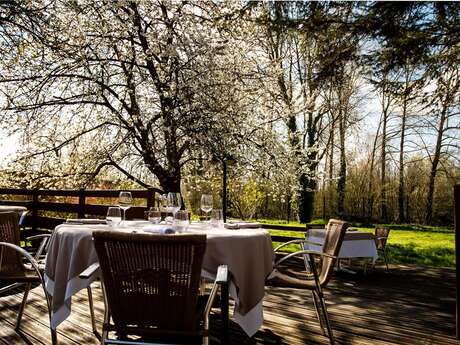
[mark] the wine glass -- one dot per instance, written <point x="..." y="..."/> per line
<point x="113" y="216"/>
<point x="217" y="218"/>
<point x="181" y="221"/>
<point x="125" y="201"/>
<point x="163" y="202"/>
<point x="174" y="202"/>
<point x="206" y="203"/>
<point x="154" y="215"/>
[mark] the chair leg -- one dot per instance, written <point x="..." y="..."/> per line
<point x="105" y="333"/>
<point x="385" y="258"/>
<point x="91" y="310"/>
<point x="54" y="340"/>
<point x="54" y="337"/>
<point x="326" y="318"/>
<point x="23" y="304"/>
<point x="318" y="313"/>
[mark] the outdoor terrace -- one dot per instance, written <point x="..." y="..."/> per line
<point x="407" y="305"/>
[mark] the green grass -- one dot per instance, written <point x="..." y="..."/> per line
<point x="407" y="244"/>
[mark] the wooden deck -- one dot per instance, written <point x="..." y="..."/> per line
<point x="407" y="305"/>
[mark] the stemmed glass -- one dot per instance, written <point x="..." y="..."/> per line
<point x="181" y="221"/>
<point x="206" y="203"/>
<point x="174" y="202"/>
<point x="125" y="201"/>
<point x="154" y="215"/>
<point x="113" y="216"/>
<point x="217" y="218"/>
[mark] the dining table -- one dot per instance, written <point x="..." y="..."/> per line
<point x="247" y="252"/>
<point x="356" y="244"/>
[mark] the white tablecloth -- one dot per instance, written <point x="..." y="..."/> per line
<point x="355" y="244"/>
<point x="12" y="208"/>
<point x="248" y="253"/>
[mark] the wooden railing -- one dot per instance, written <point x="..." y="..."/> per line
<point x="277" y="238"/>
<point x="38" y="201"/>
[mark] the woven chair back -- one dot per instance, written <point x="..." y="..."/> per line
<point x="315" y="226"/>
<point x="381" y="236"/>
<point x="151" y="281"/>
<point x="335" y="232"/>
<point x="10" y="259"/>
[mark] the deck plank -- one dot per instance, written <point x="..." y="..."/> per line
<point x="403" y="306"/>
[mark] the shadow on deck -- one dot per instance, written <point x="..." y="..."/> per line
<point x="407" y="305"/>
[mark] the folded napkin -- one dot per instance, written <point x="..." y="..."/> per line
<point x="352" y="229"/>
<point x="242" y="225"/>
<point x="86" y="221"/>
<point x="159" y="229"/>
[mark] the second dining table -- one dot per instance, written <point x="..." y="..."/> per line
<point x="356" y="244"/>
<point x="248" y="253"/>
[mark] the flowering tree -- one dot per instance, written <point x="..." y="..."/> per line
<point x="302" y="62"/>
<point x="138" y="86"/>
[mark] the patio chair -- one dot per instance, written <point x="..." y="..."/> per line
<point x="13" y="269"/>
<point x="381" y="238"/>
<point x="151" y="284"/>
<point x="302" y="241"/>
<point x="320" y="272"/>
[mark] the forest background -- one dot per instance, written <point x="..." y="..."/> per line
<point x="320" y="109"/>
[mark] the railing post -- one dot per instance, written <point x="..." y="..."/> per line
<point x="457" y="257"/>
<point x="150" y="197"/>
<point x="288" y="208"/>
<point x="224" y="190"/>
<point x="35" y="192"/>
<point x="81" y="203"/>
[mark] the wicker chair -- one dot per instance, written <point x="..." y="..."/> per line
<point x="12" y="268"/>
<point x="381" y="238"/>
<point x="151" y="285"/>
<point x="320" y="272"/>
<point x="300" y="242"/>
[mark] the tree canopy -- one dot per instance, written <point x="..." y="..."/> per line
<point x="156" y="91"/>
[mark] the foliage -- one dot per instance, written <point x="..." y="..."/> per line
<point x="161" y="93"/>
<point x="428" y="247"/>
<point x="245" y="197"/>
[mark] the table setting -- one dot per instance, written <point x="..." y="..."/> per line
<point x="245" y="248"/>
<point x="356" y="244"/>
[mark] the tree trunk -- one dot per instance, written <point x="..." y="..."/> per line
<point x="306" y="198"/>
<point x="331" y="155"/>
<point x="370" y="192"/>
<point x="434" y="167"/>
<point x="171" y="183"/>
<point x="343" y="167"/>
<point x="329" y="196"/>
<point x="383" y="196"/>
<point x="401" y="187"/>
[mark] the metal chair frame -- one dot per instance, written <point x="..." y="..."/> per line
<point x="317" y="293"/>
<point x="309" y="257"/>
<point x="383" y="246"/>
<point x="28" y="286"/>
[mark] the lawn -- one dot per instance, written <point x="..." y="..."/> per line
<point x="407" y="244"/>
